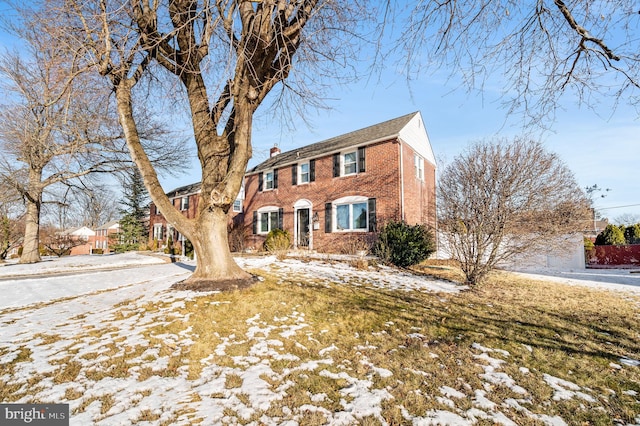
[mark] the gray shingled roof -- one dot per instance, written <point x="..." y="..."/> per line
<point x="192" y="188"/>
<point x="380" y="131"/>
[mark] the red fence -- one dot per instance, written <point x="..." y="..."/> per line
<point x="614" y="256"/>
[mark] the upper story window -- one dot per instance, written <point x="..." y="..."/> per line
<point x="268" y="180"/>
<point x="304" y="173"/>
<point x="349" y="163"/>
<point x="419" y="166"/>
<point x="237" y="205"/>
<point x="184" y="203"/>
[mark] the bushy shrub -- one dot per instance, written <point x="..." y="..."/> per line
<point x="632" y="234"/>
<point x="611" y="236"/>
<point x="278" y="242"/>
<point x="125" y="247"/>
<point x="404" y="245"/>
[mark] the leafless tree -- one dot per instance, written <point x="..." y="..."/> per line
<point x="540" y="49"/>
<point x="503" y="198"/>
<point x="225" y="57"/>
<point x="56" y="126"/>
<point x="60" y="243"/>
<point x="11" y="219"/>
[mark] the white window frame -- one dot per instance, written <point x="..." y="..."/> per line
<point x="344" y="164"/>
<point x="268" y="183"/>
<point x="237" y="205"/>
<point x="269" y="210"/>
<point x="184" y="203"/>
<point x="301" y="174"/>
<point x="157" y="231"/>
<point x="419" y="166"/>
<point x="350" y="202"/>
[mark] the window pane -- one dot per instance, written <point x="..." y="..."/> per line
<point x="342" y="217"/>
<point x="360" y="216"/>
<point x="264" y="222"/>
<point x="304" y="172"/>
<point x="349" y="163"/>
<point x="274" y="221"/>
<point x="269" y="180"/>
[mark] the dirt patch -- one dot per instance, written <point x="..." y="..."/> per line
<point x="215" y="285"/>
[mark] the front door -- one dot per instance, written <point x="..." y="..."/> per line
<point x="303" y="216"/>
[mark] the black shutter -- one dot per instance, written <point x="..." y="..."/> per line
<point x="361" y="160"/>
<point x="294" y="174"/>
<point x="336" y="165"/>
<point x="280" y="218"/>
<point x="312" y="170"/>
<point x="255" y="222"/>
<point x="328" y="211"/>
<point x="260" y="181"/>
<point x="275" y="178"/>
<point x="372" y="215"/>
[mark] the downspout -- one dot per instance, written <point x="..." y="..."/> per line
<point x="401" y="181"/>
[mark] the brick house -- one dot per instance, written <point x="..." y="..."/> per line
<point x="106" y="234"/>
<point x="344" y="187"/>
<point x="330" y="191"/>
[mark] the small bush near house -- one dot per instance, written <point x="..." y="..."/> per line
<point x="404" y="245"/>
<point x="97" y="251"/>
<point x="278" y="242"/>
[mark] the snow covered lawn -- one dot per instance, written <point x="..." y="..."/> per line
<point x="315" y="342"/>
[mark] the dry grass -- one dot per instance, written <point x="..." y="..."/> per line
<point x="424" y="340"/>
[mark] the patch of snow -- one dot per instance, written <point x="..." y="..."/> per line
<point x="630" y="362"/>
<point x="565" y="389"/>
<point x="451" y="392"/>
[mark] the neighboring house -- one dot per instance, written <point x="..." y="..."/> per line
<point x="105" y="235"/>
<point x="330" y="191"/>
<point x="83" y="238"/>
<point x="184" y="199"/>
<point x="344" y="187"/>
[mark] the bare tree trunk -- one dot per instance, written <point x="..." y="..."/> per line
<point x="215" y="262"/>
<point x="30" y="246"/>
<point x="208" y="231"/>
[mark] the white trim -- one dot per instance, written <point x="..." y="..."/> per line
<point x="299" y="171"/>
<point x="264" y="181"/>
<point x="343" y="163"/>
<point x="260" y="211"/>
<point x="349" y="201"/>
<point x="301" y="205"/>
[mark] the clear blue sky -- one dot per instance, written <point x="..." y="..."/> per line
<point x="601" y="147"/>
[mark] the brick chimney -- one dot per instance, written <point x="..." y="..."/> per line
<point x="274" y="151"/>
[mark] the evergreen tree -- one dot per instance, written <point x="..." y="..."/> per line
<point x="632" y="234"/>
<point x="610" y="236"/>
<point x="133" y="224"/>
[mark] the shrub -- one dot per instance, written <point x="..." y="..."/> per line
<point x="632" y="234"/>
<point x="404" y="245"/>
<point x="278" y="242"/>
<point x="610" y="236"/>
